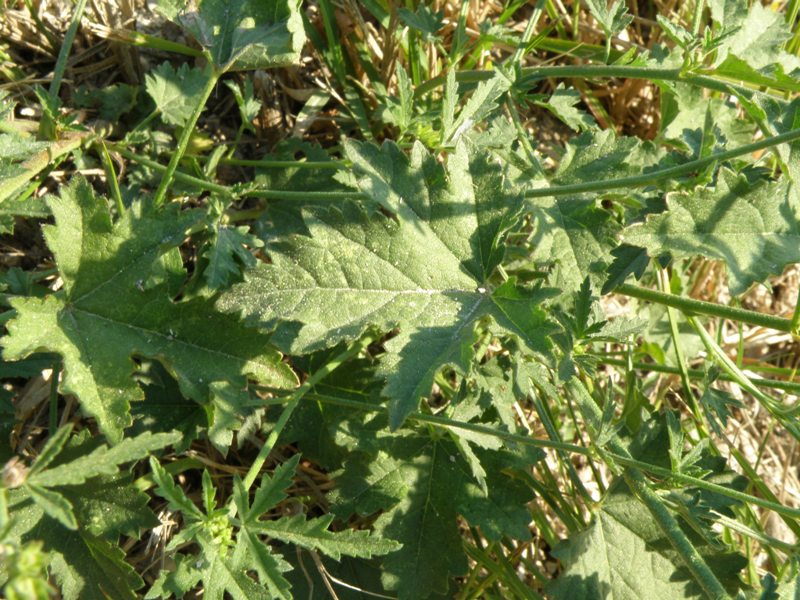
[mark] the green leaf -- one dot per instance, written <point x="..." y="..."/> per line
<point x="109" y="506"/>
<point x="164" y="408"/>
<point x="53" y="504"/>
<point x="482" y="102"/>
<point x="111" y="102"/>
<point x="269" y="565"/>
<point x="575" y="237"/>
<point x="271" y="491"/>
<point x="166" y="488"/>
<point x="27" y="573"/>
<point x="227" y="253"/>
<point x="424" y="21"/>
<point x="177" y="582"/>
<point x="79" y="525"/>
<point x="425" y="272"/>
<point x="422" y="484"/>
<point x="55" y="444"/>
<point x="684" y="108"/>
<point x="84" y="565"/>
<point x="97" y="333"/>
<point x="625" y="553"/>
<point x="717" y="403"/>
<point x="249" y="105"/>
<point x="613" y="17"/>
<point x="15" y="148"/>
<point x="224" y="576"/>
<point x="16" y="152"/>
<point x="756" y="45"/>
<point x="176" y="92"/>
<point x="103" y="460"/>
<point x="562" y="104"/>
<point x="788" y="590"/>
<point x="596" y="156"/>
<point x="628" y="260"/>
<point x="243" y="34"/>
<point x="612" y="557"/>
<point x="753" y="228"/>
<point x="314" y="535"/>
<point x="227" y="409"/>
<point x="225" y="572"/>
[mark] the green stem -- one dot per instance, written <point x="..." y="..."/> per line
<point x="111" y="177"/>
<point x="789" y="386"/>
<point x="293" y="401"/>
<point x="143" y="40"/>
<point x="762" y="538"/>
<point x="699" y="307"/>
<point x="672" y="530"/>
<point x="445" y="422"/>
<point x="757" y="367"/>
<point x="66" y="47"/>
<point x="727" y="364"/>
<point x="663" y="280"/>
<point x="294" y="195"/>
<point x="186" y="135"/>
<point x="34" y="13"/>
<point x="697" y="19"/>
<point x="525" y="39"/>
<point x="144" y="122"/>
<point x="763" y="490"/>
<point x="201" y="184"/>
<point x="795" y="323"/>
<point x="53" y="413"/>
<point x="54" y="153"/>
<point x="531" y="75"/>
<point x="687" y="480"/>
<point x="286" y="164"/>
<point x="666" y="173"/>
<point x="227" y="191"/>
<point x="539" y="443"/>
<point x="560" y="190"/>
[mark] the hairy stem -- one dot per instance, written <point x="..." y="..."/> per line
<point x="666" y="173"/>
<point x="531" y="75"/>
<point x="699" y="307"/>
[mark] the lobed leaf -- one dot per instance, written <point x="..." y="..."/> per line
<point x="176" y="91"/>
<point x="422" y="485"/>
<point x="314" y="535"/>
<point x="85" y="565"/>
<point x="625" y="553"/>
<point x="117" y="304"/>
<point x="242" y="34"/>
<point x="103" y="460"/>
<point x="426" y="272"/>
<point x="753" y="228"/>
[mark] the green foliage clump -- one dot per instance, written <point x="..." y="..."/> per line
<point x="385" y="364"/>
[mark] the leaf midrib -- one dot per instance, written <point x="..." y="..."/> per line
<point x="418" y="291"/>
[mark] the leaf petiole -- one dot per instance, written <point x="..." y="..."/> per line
<point x="186" y="136"/>
<point x="294" y="399"/>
